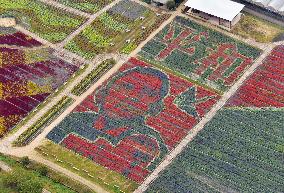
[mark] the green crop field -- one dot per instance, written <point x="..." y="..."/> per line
<point x="48" y="22"/>
<point x="240" y="150"/>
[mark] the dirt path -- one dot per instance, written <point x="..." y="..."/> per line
<point x="5" y="167"/>
<point x="68" y="173"/>
<point x="175" y="152"/>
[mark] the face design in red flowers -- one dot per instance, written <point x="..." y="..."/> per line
<point x="132" y="95"/>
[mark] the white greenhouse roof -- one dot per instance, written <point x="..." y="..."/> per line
<point x="224" y="9"/>
<point x="277" y="5"/>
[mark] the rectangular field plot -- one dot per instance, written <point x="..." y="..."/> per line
<point x="240" y="150"/>
<point x="109" y="180"/>
<point x="46" y="21"/>
<point x="88" y="6"/>
<point x="200" y="53"/>
<point x="27" y="76"/>
<point x="265" y="87"/>
<point x="120" y="29"/>
<point x="134" y="119"/>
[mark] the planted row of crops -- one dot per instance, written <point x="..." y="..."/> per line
<point x="134" y="119"/>
<point x="93" y="76"/>
<point x="119" y="29"/>
<point x="238" y="151"/>
<point x="265" y="88"/>
<point x="46" y="21"/>
<point x="200" y="53"/>
<point x="89" y="6"/>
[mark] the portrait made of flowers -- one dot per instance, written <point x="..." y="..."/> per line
<point x="134" y="119"/>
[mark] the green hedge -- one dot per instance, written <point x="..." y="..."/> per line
<point x="93" y="76"/>
<point x="27" y="136"/>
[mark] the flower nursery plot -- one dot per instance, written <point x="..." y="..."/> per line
<point x="16" y="38"/>
<point x="89" y="6"/>
<point x="46" y="21"/>
<point x="27" y="77"/>
<point x="121" y="29"/>
<point x="200" y="53"/>
<point x="134" y="119"/>
<point x="265" y="88"/>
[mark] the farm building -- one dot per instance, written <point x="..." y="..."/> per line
<point x="224" y="13"/>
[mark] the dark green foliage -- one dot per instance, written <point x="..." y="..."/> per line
<point x="171" y="5"/>
<point x="22" y="182"/>
<point x="25" y="161"/>
<point x="240" y="150"/>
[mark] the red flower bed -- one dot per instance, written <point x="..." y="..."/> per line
<point x="134" y="114"/>
<point x="18" y="39"/>
<point x="265" y="87"/>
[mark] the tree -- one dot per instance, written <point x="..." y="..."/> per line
<point x="171" y="5"/>
<point x="42" y="170"/>
<point x="147" y="1"/>
<point x="25" y="161"/>
<point x="178" y="2"/>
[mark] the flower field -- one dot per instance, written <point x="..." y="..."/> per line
<point x="88" y="6"/>
<point x="121" y="29"/>
<point x="48" y="22"/>
<point x="265" y="88"/>
<point x="134" y="119"/>
<point x="200" y="53"/>
<point x="27" y="77"/>
<point x="241" y="148"/>
<point x="18" y="39"/>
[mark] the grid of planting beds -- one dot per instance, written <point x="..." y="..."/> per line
<point x="27" y="77"/>
<point x="46" y="21"/>
<point x="200" y="53"/>
<point x="241" y="148"/>
<point x="265" y="88"/>
<point x="89" y="6"/>
<point x="121" y="29"/>
<point x="134" y="119"/>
